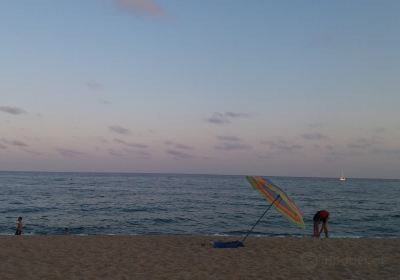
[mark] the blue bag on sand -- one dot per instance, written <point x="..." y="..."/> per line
<point x="227" y="244"/>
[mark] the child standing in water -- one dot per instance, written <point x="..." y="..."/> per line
<point x="19" y="228"/>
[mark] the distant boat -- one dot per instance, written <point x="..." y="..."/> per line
<point x="342" y="178"/>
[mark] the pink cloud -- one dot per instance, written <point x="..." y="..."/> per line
<point x="142" y="6"/>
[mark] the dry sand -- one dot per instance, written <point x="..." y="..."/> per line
<point x="192" y="257"/>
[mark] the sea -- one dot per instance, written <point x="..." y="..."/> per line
<point x="155" y="204"/>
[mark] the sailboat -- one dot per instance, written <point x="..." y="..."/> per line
<point x="342" y="178"/>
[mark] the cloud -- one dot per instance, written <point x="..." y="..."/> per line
<point x="12" y="110"/>
<point x="340" y="155"/>
<point x="226" y="118"/>
<point x="138" y="152"/>
<point x="133" y="145"/>
<point x="127" y="152"/>
<point x="231" y="143"/>
<point x="19" y="144"/>
<point x="33" y="152"/>
<point x="179" y="154"/>
<point x="315" y="125"/>
<point x="329" y="147"/>
<point x="149" y="7"/>
<point x="388" y="152"/>
<point x="102" y="140"/>
<point x="15" y="143"/>
<point x="363" y="143"/>
<point x="119" y="129"/>
<point x="179" y="146"/>
<point x="379" y="130"/>
<point x="69" y="152"/>
<point x="229" y="138"/>
<point x="232" y="146"/>
<point x="314" y="136"/>
<point x="282" y="146"/>
<point x="266" y="156"/>
<point x="116" y="153"/>
<point x="218" y="118"/>
<point x="237" y="115"/>
<point x="94" y="85"/>
<point x="104" y="102"/>
<point x="326" y="147"/>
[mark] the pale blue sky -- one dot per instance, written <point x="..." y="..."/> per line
<point x="296" y="88"/>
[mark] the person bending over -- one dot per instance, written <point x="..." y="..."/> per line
<point x="321" y="216"/>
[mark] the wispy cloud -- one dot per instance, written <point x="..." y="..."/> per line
<point x="231" y="143"/>
<point x="266" y="156"/>
<point x="94" y="85"/>
<point x="119" y="129"/>
<point x="229" y="138"/>
<point x="33" y="152"/>
<point x="178" y="145"/>
<point x="315" y="125"/>
<point x="226" y="118"/>
<point x="125" y="153"/>
<point x="19" y="144"/>
<point x="387" y="152"/>
<point x="333" y="155"/>
<point x="218" y="118"/>
<point x="329" y="147"/>
<point x="237" y="115"/>
<point x="282" y="146"/>
<point x="314" y="136"/>
<point x="133" y="145"/>
<point x="16" y="143"/>
<point x="101" y="140"/>
<point x="150" y="7"/>
<point x="232" y="146"/>
<point x="116" y="153"/>
<point x="363" y="143"/>
<point x="104" y="102"/>
<point x="141" y="153"/>
<point x="325" y="147"/>
<point x="3" y="146"/>
<point x="179" y="154"/>
<point x="379" y="130"/>
<point x="12" y="110"/>
<point x="69" y="152"/>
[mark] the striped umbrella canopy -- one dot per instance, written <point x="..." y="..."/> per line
<point x="278" y="198"/>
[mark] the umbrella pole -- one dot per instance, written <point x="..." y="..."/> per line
<point x="278" y="197"/>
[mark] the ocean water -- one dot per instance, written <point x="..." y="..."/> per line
<point x="106" y="203"/>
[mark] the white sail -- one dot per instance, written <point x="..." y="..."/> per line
<point x="342" y="178"/>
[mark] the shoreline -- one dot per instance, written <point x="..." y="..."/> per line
<point x="192" y="257"/>
<point x="215" y="236"/>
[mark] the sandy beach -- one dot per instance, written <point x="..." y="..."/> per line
<point x="192" y="257"/>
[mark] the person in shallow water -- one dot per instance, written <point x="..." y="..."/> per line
<point x="18" y="230"/>
<point x="321" y="216"/>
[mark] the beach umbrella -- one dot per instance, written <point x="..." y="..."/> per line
<point x="278" y="198"/>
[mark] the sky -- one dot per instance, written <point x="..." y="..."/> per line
<point x="273" y="88"/>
